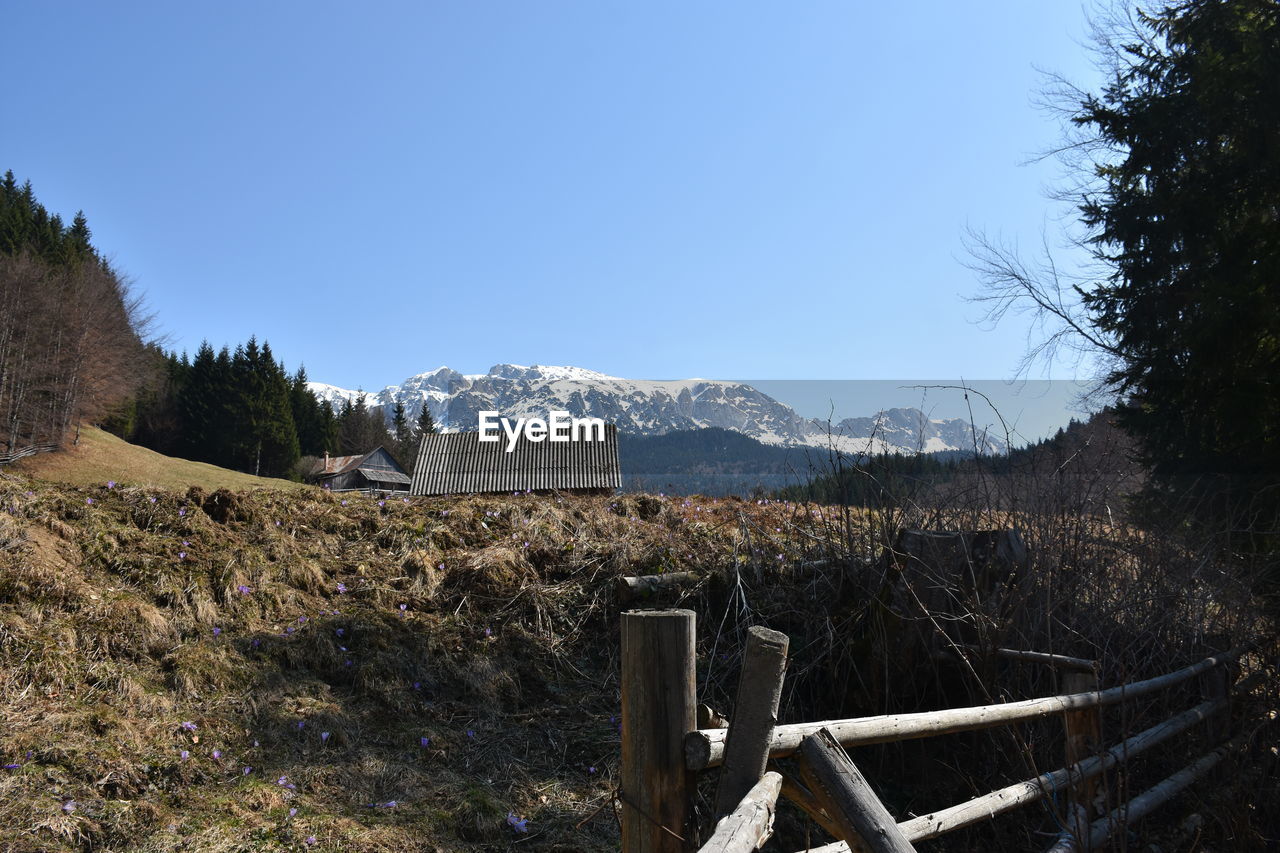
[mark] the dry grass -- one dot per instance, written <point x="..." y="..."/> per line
<point x="486" y="626"/>
<point x="101" y="456"/>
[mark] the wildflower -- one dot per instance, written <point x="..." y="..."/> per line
<point x="284" y="782"/>
<point x="382" y="503"/>
<point x="301" y="723"/>
<point x="111" y="484"/>
<point x="255" y="744"/>
<point x="442" y="566"/>
<point x="519" y="824"/>
<point x="344" y="503"/>
<point x="182" y="511"/>
<point x="217" y="755"/>
<point x="339" y="631"/>
<point x="69" y="806"/>
<point x="347" y="663"/>
<point x="417" y="685"/>
<point x="342" y="588"/>
<point x="184" y="755"/>
<point x="289" y="630"/>
<point x="256" y="642"/>
<point x="310" y="841"/>
<point x="152" y="499"/>
<point x="591" y="770"/>
<point x="88" y="501"/>
<point x="488" y="632"/>
<point x="189" y="726"/>
<point x="182" y="555"/>
<point x="12" y="766"/>
<point x="244" y="590"/>
<point x="185" y="543"/>
<point x="293" y="812"/>
<point x="424" y="742"/>
<point x="217" y="631"/>
<point x="247" y="771"/>
<point x="406" y="500"/>
<point x="302" y="619"/>
<point x="471" y="734"/>
<point x="277" y="524"/>
<point x="324" y="737"/>
<point x="403" y="607"/>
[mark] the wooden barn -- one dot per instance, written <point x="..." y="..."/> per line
<point x="376" y="471"/>
<point x="458" y="463"/>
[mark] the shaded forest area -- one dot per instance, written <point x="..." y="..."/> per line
<point x="70" y="334"/>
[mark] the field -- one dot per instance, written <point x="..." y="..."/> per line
<point x="286" y="669"/>
<point x="100" y="457"/>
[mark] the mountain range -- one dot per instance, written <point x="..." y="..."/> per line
<point x="656" y="407"/>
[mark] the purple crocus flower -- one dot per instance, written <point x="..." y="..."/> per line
<point x="519" y="824"/>
<point x="301" y="723"/>
<point x="111" y="484"/>
<point x="293" y="812"/>
<point x="310" y="841"/>
<point x="152" y="499"/>
<point x="69" y="806"/>
<point x="247" y="771"/>
<point x="424" y="742"/>
<point x="302" y="619"/>
<point x="217" y="631"/>
<point x="217" y="755"/>
<point x="182" y="555"/>
<point x="324" y="737"/>
<point x="188" y="725"/>
<point x="12" y="766"/>
<point x="88" y="501"/>
<point x="184" y="755"/>
<point x="243" y="590"/>
<point x="342" y="588"/>
<point x="403" y="607"/>
<point x="339" y="631"/>
<point x="182" y="510"/>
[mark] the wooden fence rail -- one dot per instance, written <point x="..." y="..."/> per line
<point x="24" y="452"/>
<point x="657" y="784"/>
<point x="705" y="748"/>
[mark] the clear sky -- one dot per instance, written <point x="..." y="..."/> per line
<point x="649" y="189"/>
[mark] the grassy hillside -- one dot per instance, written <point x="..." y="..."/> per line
<point x="294" y="670"/>
<point x="100" y="457"/>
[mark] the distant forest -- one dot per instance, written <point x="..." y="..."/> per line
<point x="241" y="409"/>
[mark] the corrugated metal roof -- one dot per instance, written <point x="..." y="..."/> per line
<point x="383" y="475"/>
<point x="458" y="463"/>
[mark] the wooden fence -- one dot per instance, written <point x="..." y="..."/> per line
<point x="663" y="750"/>
<point x="24" y="452"/>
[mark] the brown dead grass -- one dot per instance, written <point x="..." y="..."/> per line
<point x="100" y="456"/>
<point x="484" y="624"/>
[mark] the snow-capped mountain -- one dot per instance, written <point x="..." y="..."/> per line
<point x="653" y="407"/>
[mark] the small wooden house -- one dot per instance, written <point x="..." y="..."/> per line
<point x="376" y="471"/>
<point x="458" y="463"/>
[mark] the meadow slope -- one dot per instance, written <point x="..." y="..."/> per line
<point x="276" y="670"/>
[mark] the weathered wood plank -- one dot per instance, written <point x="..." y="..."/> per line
<point x="755" y="713"/>
<point x="657" y="711"/>
<point x="645" y="587"/>
<point x="705" y="748"/>
<point x="845" y="795"/>
<point x="748" y="826"/>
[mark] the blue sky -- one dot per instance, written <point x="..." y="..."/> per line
<point x="652" y="190"/>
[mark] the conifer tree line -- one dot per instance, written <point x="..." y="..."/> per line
<point x="242" y="409"/>
<point x="70" y="335"/>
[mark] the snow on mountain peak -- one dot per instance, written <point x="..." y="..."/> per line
<point x="653" y="407"/>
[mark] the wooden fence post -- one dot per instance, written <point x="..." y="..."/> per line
<point x="845" y="795"/>
<point x="746" y="748"/>
<point x="658" y="672"/>
<point x="1083" y="734"/>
